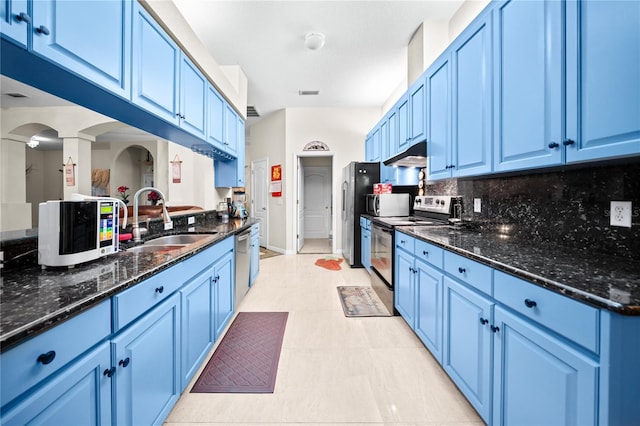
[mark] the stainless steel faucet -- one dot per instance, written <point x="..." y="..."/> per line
<point x="137" y="231"/>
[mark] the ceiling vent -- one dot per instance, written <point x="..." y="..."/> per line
<point x="308" y="92"/>
<point x="16" y="95"/>
<point x="252" y="112"/>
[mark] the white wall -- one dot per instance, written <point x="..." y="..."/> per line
<point x="344" y="131"/>
<point x="268" y="141"/>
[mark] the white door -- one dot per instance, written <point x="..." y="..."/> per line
<point x="300" y="205"/>
<point x="260" y="197"/>
<point x="317" y="206"/>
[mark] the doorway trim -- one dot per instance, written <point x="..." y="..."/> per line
<point x="294" y="206"/>
<point x="252" y="195"/>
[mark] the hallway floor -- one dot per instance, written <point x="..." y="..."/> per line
<point x="333" y="370"/>
<point x="317" y="246"/>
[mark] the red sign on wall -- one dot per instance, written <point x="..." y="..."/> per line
<point x="276" y="181"/>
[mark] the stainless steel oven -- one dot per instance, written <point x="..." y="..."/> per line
<point x="429" y="211"/>
<point x="382" y="263"/>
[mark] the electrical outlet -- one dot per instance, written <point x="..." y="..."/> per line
<point x="191" y="220"/>
<point x="620" y="214"/>
<point x="477" y="205"/>
<point x="168" y="226"/>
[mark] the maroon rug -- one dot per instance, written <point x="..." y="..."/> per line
<point x="246" y="360"/>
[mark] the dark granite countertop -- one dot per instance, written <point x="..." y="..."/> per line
<point x="33" y="300"/>
<point x="604" y="281"/>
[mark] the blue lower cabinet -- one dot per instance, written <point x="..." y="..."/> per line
<point x="467" y="349"/>
<point x="255" y="253"/>
<point x="147" y="360"/>
<point x="428" y="316"/>
<point x="222" y="293"/>
<point x="196" y="324"/>
<point x="79" y="395"/>
<point x="404" y="282"/>
<point x="538" y="379"/>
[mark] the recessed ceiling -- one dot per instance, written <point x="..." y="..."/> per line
<point x="363" y="60"/>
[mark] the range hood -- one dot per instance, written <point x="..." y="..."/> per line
<point x="414" y="156"/>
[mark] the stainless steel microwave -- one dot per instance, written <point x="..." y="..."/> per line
<point x="388" y="204"/>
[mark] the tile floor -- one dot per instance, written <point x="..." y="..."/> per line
<point x="316" y="245"/>
<point x="333" y="370"/>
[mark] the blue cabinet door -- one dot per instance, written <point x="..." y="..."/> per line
<point x="404" y="282"/>
<point x="155" y="68"/>
<point x="215" y="117"/>
<point x="91" y="39"/>
<point x="467" y="350"/>
<point x="376" y="140"/>
<point x="15" y="20"/>
<point x="528" y="80"/>
<point x="603" y="87"/>
<point x="394" y="136"/>
<point x="439" y="119"/>
<point x="255" y="257"/>
<point x="79" y="395"/>
<point x="230" y="130"/>
<point x="147" y="360"/>
<point x="365" y="244"/>
<point x="539" y="380"/>
<point x="403" y="124"/>
<point x="472" y="136"/>
<point x="428" y="295"/>
<point x="193" y="92"/>
<point x="196" y="324"/>
<point x="223" y="294"/>
<point x="417" y="102"/>
<point x="240" y="157"/>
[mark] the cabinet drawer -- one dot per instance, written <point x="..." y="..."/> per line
<point x="405" y="242"/>
<point x="135" y="301"/>
<point x="574" y="320"/>
<point x="21" y="367"/>
<point x="255" y="229"/>
<point x="363" y="222"/>
<point x="469" y="271"/>
<point x="429" y="253"/>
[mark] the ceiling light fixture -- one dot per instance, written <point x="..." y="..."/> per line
<point x="314" y="41"/>
<point x="33" y="142"/>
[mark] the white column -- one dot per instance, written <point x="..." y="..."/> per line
<point x="79" y="150"/>
<point x="15" y="212"/>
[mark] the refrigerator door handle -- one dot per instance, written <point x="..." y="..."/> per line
<point x="345" y="186"/>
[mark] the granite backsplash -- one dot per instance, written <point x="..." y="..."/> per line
<point x="567" y="206"/>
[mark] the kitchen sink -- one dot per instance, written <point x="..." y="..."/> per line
<point x="171" y="242"/>
<point x="180" y="239"/>
<point x="155" y="249"/>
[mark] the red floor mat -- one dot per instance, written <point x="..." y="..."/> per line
<point x="330" y="264"/>
<point x="246" y="360"/>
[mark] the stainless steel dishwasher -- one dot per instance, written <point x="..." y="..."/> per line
<point x="243" y="263"/>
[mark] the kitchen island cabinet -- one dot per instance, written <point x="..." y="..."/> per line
<point x="254" y="266"/>
<point x="521" y="343"/>
<point x="128" y="357"/>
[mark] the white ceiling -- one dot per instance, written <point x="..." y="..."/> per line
<point x="363" y="61"/>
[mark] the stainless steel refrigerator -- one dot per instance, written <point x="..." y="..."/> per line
<point x="357" y="181"/>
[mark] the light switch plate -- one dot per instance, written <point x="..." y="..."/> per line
<point x="477" y="205"/>
<point x="168" y="226"/>
<point x="191" y="220"/>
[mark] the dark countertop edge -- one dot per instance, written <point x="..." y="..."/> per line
<point x="34" y="328"/>
<point x="551" y="285"/>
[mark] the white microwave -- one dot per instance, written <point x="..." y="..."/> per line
<point x="386" y="205"/>
<point x="73" y="232"/>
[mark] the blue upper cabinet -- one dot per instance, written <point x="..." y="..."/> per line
<point x="603" y="80"/>
<point x="90" y="39"/>
<point x="439" y="119"/>
<point x="528" y="84"/>
<point x="472" y="135"/>
<point x="417" y="102"/>
<point x="215" y="117"/>
<point x="193" y="95"/>
<point x="155" y="68"/>
<point x="372" y="145"/>
<point x="230" y="130"/>
<point x="403" y="124"/>
<point x="14" y="20"/>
